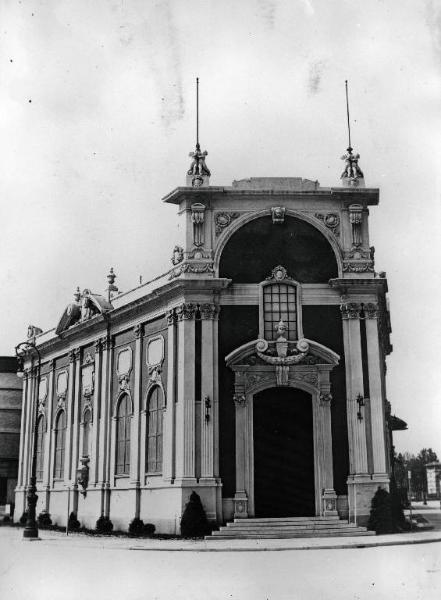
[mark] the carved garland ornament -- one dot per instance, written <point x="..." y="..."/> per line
<point x="358" y="267"/>
<point x="188" y="267"/>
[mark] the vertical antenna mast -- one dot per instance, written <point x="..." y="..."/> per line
<point x="347" y="112"/>
<point x="197" y="111"/>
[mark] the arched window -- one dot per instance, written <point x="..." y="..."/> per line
<point x="60" y="436"/>
<point x="87" y="419"/>
<point x="155" y="410"/>
<point x="259" y="245"/>
<point x="123" y="436"/>
<point x="40" y="448"/>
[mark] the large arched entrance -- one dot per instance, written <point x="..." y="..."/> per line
<point x="283" y="453"/>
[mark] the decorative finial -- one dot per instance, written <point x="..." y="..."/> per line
<point x="198" y="174"/>
<point x="352" y="175"/>
<point x="77" y="294"/>
<point x="112" y="290"/>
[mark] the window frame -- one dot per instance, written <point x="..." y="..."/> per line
<point x="279" y="276"/>
<point x="59" y="450"/>
<point x="127" y="439"/>
<point x="159" y="410"/>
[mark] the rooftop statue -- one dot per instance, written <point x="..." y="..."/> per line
<point x="351" y="170"/>
<point x="198" y="166"/>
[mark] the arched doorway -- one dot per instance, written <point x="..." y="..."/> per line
<point x="283" y="453"/>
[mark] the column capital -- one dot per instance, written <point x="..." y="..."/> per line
<point x="371" y="310"/>
<point x="240" y="399"/>
<point x="74" y="354"/>
<point x="209" y="311"/>
<point x="170" y="315"/>
<point x="138" y="330"/>
<point x="98" y="345"/>
<point x="107" y="342"/>
<point x="350" y="310"/>
<point x="325" y="399"/>
<point x="186" y="311"/>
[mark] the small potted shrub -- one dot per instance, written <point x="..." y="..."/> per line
<point x="44" y="520"/>
<point x="104" y="525"/>
<point x="194" y="520"/>
<point x="73" y="524"/>
<point x="149" y="529"/>
<point x="381" y="517"/>
<point x="136" y="527"/>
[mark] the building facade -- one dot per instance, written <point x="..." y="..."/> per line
<point x="10" y="410"/>
<point x="252" y="372"/>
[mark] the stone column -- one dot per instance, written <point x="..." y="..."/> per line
<point x="208" y="423"/>
<point x="95" y="428"/>
<point x="185" y="409"/>
<point x="71" y="476"/>
<point x="168" y="465"/>
<point x="329" y="498"/>
<point x="135" y="424"/>
<point x="24" y="407"/>
<point x="28" y="425"/>
<point x="47" y="475"/>
<point x="241" y="497"/>
<point x="70" y="401"/>
<point x="105" y="422"/>
<point x="354" y="387"/>
<point x="376" y="396"/>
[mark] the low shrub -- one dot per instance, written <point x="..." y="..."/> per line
<point x="104" y="525"/>
<point x="23" y="518"/>
<point x="194" y="520"/>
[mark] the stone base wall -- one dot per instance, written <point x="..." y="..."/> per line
<point x="162" y="506"/>
<point x="360" y="498"/>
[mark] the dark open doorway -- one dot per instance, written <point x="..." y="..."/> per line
<point x="283" y="453"/>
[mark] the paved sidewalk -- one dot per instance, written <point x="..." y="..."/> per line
<point x="173" y="545"/>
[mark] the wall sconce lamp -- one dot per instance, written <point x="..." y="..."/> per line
<point x="360" y="401"/>
<point x="207" y="408"/>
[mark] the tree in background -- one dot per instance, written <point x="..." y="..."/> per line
<point x="417" y="466"/>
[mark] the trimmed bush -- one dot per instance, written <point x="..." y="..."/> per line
<point x="149" y="529"/>
<point x="73" y="524"/>
<point x="136" y="527"/>
<point x="194" y="520"/>
<point x="104" y="525"/>
<point x="44" y="520"/>
<point x="381" y="518"/>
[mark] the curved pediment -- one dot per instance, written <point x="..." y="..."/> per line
<point x="84" y="307"/>
<point x="304" y="351"/>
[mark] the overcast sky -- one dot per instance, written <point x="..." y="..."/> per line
<point x="97" y="119"/>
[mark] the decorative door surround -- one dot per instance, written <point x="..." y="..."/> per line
<point x="306" y="365"/>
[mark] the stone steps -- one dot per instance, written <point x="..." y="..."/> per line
<point x="289" y="527"/>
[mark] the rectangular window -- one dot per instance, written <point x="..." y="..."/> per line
<point x="279" y="303"/>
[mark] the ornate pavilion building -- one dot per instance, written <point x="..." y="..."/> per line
<point x="252" y="372"/>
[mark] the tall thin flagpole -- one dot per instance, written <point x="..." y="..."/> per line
<point x="347" y="112"/>
<point x="197" y="111"/>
